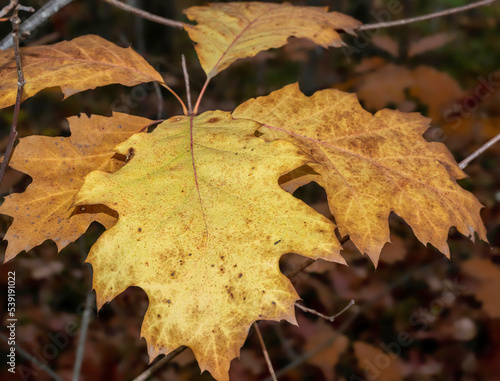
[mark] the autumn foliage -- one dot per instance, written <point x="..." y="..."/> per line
<point x="194" y="211"/>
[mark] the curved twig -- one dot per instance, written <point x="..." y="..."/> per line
<point x="446" y="12"/>
<point x="146" y="15"/>
<point x="36" y="20"/>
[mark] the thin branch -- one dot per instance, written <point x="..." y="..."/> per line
<point x="465" y="162"/>
<point x="357" y="311"/>
<point x="197" y="105"/>
<point x="30" y="358"/>
<point x="159" y="110"/>
<point x="188" y="88"/>
<point x="146" y="15"/>
<point x="36" y="20"/>
<point x="329" y="318"/>
<point x="15" y="20"/>
<point x="264" y="350"/>
<point x="6" y="10"/>
<point x="390" y="24"/>
<point x="160" y="363"/>
<point x="89" y="303"/>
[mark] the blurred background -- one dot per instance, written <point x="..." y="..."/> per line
<point x="418" y="316"/>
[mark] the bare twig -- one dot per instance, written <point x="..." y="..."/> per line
<point x="446" y="12"/>
<point x="146" y="15"/>
<point x="343" y="327"/>
<point x="329" y="318"/>
<point x="89" y="304"/>
<point x="6" y="10"/>
<point x="159" y="110"/>
<point x="36" y="20"/>
<point x="30" y="358"/>
<point x="160" y="363"/>
<point x="465" y="162"/>
<point x="188" y="88"/>
<point x="264" y="350"/>
<point x="15" y="20"/>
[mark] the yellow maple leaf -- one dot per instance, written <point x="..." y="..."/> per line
<point x="57" y="166"/>
<point x="371" y="165"/>
<point x="230" y="31"/>
<point x="81" y="64"/>
<point x="202" y="225"/>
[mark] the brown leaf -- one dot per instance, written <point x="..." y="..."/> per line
<point x="327" y="358"/>
<point x="81" y="64"/>
<point x="489" y="276"/>
<point x="376" y="364"/>
<point x="430" y="43"/>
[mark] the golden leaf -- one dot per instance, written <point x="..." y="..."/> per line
<point x="80" y="64"/>
<point x="57" y="166"/>
<point x="370" y="166"/>
<point x="202" y="225"/>
<point x="230" y="31"/>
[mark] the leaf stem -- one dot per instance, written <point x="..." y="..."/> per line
<point x="197" y="105"/>
<point x="446" y="12"/>
<point x="184" y="109"/>
<point x="465" y="162"/>
<point x="146" y="15"/>
<point x="159" y="96"/>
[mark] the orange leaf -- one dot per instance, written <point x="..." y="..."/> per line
<point x="58" y="166"/>
<point x="370" y="166"/>
<point x="81" y="64"/>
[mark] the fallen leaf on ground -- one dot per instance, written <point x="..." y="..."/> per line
<point x="327" y="359"/>
<point x="488" y="275"/>
<point x="376" y="364"/>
